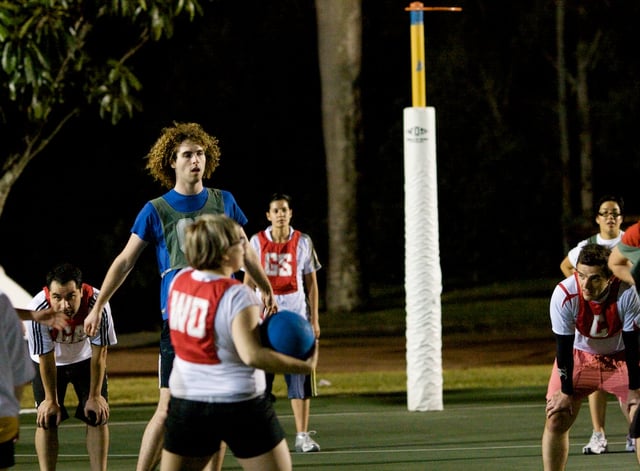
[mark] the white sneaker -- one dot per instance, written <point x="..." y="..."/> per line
<point x="306" y="444"/>
<point x="631" y="444"/>
<point x="597" y="444"/>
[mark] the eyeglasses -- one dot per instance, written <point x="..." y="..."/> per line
<point x="606" y="214"/>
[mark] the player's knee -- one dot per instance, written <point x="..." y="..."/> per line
<point x="559" y="422"/>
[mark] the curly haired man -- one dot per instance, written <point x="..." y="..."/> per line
<point x="182" y="157"/>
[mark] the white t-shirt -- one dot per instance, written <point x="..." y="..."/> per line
<point x="609" y="243"/>
<point x="231" y="380"/>
<point x="73" y="345"/>
<point x="566" y="306"/>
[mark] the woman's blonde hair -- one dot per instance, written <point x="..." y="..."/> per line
<point x="163" y="152"/>
<point x="208" y="239"/>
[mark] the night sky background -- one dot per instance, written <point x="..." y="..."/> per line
<point x="248" y="72"/>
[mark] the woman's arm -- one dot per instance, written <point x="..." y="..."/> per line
<point x="245" y="330"/>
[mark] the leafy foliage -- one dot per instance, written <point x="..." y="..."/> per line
<point x="51" y="52"/>
<point x="62" y="57"/>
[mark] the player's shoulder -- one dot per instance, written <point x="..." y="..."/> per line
<point x="150" y="207"/>
<point x="567" y="288"/>
<point x="306" y="240"/>
<point x="225" y="194"/>
<point x="301" y="235"/>
<point x="39" y="301"/>
<point x="89" y="288"/>
<point x="625" y="290"/>
<point x="240" y="295"/>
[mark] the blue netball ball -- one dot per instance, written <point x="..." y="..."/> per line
<point x="289" y="333"/>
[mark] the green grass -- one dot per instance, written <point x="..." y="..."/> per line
<point x="477" y="313"/>
<point x="126" y="391"/>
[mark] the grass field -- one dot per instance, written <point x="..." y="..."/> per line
<point x="127" y="391"/>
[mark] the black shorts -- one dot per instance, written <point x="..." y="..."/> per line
<point x="7" y="454"/>
<point x="76" y="374"/>
<point x="249" y="428"/>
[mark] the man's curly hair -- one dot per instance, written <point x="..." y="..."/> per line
<point x="163" y="152"/>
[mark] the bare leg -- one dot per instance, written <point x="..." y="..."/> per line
<point x="278" y="459"/>
<point x="46" y="442"/>
<point x="555" y="450"/>
<point x="598" y="410"/>
<point x="301" y="408"/>
<point x="153" y="437"/>
<point x="215" y="463"/>
<point x="555" y="439"/>
<point x="98" y="446"/>
<point x="625" y="412"/>
<point x="304" y="443"/>
<point x="173" y="462"/>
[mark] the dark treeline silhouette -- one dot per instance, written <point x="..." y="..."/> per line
<point x="248" y="71"/>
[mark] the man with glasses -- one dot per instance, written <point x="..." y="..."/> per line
<point x="609" y="217"/>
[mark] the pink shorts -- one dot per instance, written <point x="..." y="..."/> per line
<point x="594" y="372"/>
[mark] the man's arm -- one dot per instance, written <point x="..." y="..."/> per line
<point x="246" y="339"/>
<point x="97" y="404"/>
<point x="49" y="407"/>
<point x="563" y="400"/>
<point x="564" y="359"/>
<point x="117" y="273"/>
<point x="566" y="267"/>
<point x="258" y="276"/>
<point x="48" y="317"/>
<point x="311" y="289"/>
<point x="620" y="266"/>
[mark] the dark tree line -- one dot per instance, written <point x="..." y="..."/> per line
<point x="249" y="73"/>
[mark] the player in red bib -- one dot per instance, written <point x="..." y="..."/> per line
<point x="609" y="216"/>
<point x="69" y="356"/>
<point x="594" y="317"/>
<point x="290" y="262"/>
<point x="217" y="382"/>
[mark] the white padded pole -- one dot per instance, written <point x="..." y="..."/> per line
<point x="423" y="277"/>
